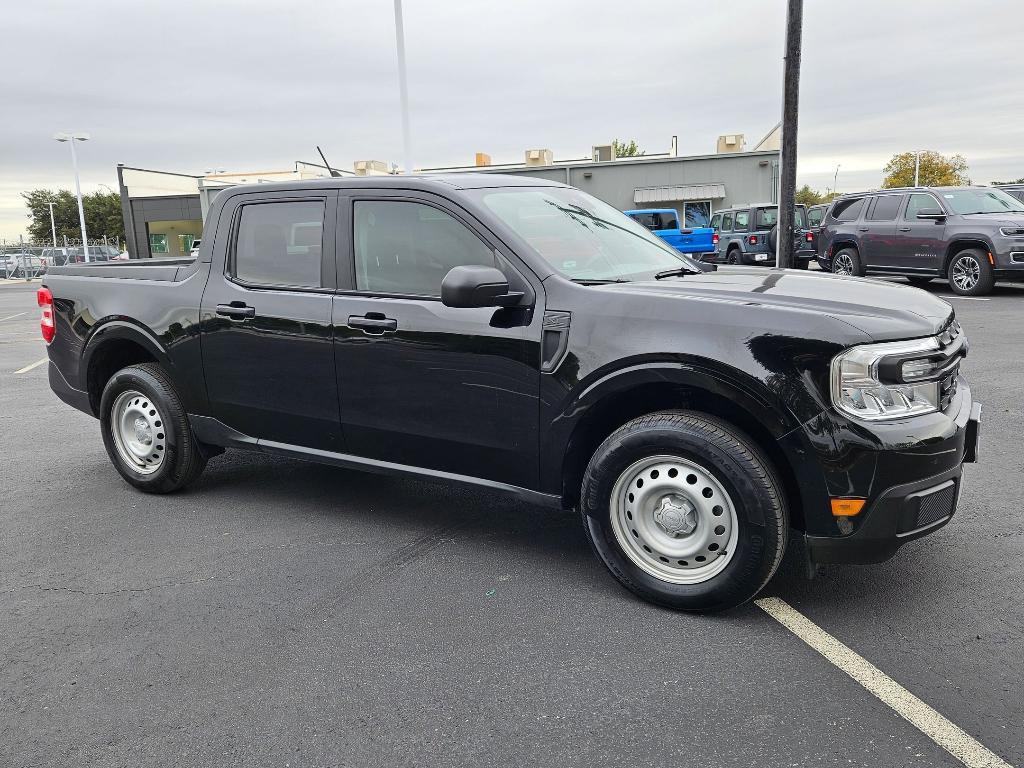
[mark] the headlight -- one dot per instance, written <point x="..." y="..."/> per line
<point x="1011" y="231"/>
<point x="876" y="381"/>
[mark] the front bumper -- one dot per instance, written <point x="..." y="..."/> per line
<point x="901" y="504"/>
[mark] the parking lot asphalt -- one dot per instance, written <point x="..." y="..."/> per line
<point x="283" y="613"/>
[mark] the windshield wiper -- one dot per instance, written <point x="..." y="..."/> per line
<point x="598" y="281"/>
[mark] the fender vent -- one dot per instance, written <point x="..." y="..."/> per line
<point x="555" y="340"/>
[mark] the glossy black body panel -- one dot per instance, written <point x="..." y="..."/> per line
<point x="515" y="398"/>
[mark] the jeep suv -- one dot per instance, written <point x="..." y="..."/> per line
<point x="747" y="235"/>
<point x="971" y="236"/>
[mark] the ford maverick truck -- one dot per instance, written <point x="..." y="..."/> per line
<point x="523" y="336"/>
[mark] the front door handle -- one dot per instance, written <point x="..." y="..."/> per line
<point x="373" y="323"/>
<point x="236" y="310"/>
<point x="863" y="229"/>
<point x="904" y="229"/>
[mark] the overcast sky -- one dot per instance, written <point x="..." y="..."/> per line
<point x="252" y="85"/>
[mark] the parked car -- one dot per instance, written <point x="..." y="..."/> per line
<point x="17" y="264"/>
<point x="1013" y="190"/>
<point x="520" y="335"/>
<point x="194" y="250"/>
<point x="970" y="236"/>
<point x="815" y="215"/>
<point x="76" y="254"/>
<point x="747" y="234"/>
<point x="664" y="222"/>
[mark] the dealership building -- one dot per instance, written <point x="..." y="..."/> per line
<point x="164" y="211"/>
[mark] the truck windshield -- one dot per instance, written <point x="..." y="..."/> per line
<point x="966" y="201"/>
<point x="581" y="237"/>
<point x="769" y="217"/>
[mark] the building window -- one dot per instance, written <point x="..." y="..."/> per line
<point x="158" y="243"/>
<point x="185" y="243"/>
<point x="697" y="214"/>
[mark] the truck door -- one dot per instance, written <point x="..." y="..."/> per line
<point x="920" y="242"/>
<point x="422" y="384"/>
<point x="878" y="232"/>
<point x="268" y="352"/>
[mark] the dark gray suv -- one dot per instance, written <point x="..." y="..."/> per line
<point x="971" y="236"/>
<point x="747" y="234"/>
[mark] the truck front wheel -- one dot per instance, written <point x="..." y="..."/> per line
<point x="146" y="431"/>
<point x="685" y="511"/>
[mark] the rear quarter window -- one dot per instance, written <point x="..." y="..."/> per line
<point x="848" y="210"/>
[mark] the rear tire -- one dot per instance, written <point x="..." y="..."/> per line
<point x="847" y="262"/>
<point x="970" y="273"/>
<point x="733" y="256"/>
<point x="709" y="529"/>
<point x="146" y="430"/>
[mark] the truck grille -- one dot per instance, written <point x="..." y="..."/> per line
<point x="936" y="505"/>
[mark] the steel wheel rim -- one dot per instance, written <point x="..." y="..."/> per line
<point x="843" y="264"/>
<point x="966" y="272"/>
<point x="136" y="427"/>
<point x="674" y="520"/>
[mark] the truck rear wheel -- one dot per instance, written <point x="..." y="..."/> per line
<point x="970" y="273"/>
<point x="847" y="262"/>
<point x="684" y="511"/>
<point x="146" y="431"/>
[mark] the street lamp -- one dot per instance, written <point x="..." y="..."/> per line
<point x="53" y="227"/>
<point x="71" y="138"/>
<point x="403" y="88"/>
<point x="835" y="179"/>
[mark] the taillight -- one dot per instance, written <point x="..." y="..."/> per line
<point x="46" y="324"/>
<point x="810" y="237"/>
<point x="714" y="239"/>
<point x="752" y="239"/>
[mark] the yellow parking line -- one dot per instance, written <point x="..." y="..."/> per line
<point x="946" y="734"/>
<point x="29" y="367"/>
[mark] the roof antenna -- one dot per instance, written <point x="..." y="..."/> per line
<point x="333" y="172"/>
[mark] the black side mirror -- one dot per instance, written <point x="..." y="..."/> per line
<point x="931" y="213"/>
<point x="477" y="286"/>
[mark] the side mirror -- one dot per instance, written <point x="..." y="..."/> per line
<point x="477" y="286"/>
<point x="931" y="213"/>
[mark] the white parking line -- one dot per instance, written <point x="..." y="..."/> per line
<point x="946" y="734"/>
<point x="29" y="367"/>
<point x="968" y="298"/>
<point x="11" y="317"/>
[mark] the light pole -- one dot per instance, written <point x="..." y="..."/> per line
<point x="403" y="88"/>
<point x="53" y="226"/>
<point x="835" y="179"/>
<point x="917" y="167"/>
<point x="71" y="138"/>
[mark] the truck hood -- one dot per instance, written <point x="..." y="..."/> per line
<point x="884" y="311"/>
<point x="995" y="219"/>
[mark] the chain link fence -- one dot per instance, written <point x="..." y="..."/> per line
<point x="25" y="260"/>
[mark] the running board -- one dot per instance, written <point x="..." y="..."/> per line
<point x="209" y="430"/>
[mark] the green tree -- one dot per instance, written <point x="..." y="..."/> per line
<point x="999" y="183"/>
<point x="626" y="149"/>
<point x="102" y="214"/>
<point x="936" y="170"/>
<point x="807" y="196"/>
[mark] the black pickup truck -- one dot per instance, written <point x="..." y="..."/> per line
<point x="524" y="336"/>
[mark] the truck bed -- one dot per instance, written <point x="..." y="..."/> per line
<point x="163" y="270"/>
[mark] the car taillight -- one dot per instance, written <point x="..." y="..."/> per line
<point x="752" y="239"/>
<point x="810" y="237"/>
<point x="714" y="239"/>
<point x="46" y="324"/>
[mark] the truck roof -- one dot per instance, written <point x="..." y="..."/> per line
<point x="426" y="182"/>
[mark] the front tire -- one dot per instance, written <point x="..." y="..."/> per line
<point x="684" y="511"/>
<point x="146" y="430"/>
<point x="970" y="273"/>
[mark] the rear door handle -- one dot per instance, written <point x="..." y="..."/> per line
<point x="904" y="229"/>
<point x="373" y="323"/>
<point x="863" y="229"/>
<point x="236" y="311"/>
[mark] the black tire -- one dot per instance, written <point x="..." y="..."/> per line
<point x="723" y="452"/>
<point x="733" y="257"/>
<point x="919" y="282"/>
<point x="773" y="238"/>
<point x="975" y="261"/>
<point x="858" y="268"/>
<point x="801" y="264"/>
<point x="183" y="460"/>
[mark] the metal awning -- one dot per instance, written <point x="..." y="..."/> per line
<point x="682" y="192"/>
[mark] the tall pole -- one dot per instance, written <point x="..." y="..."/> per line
<point x="790" y="109"/>
<point x="78" y="194"/>
<point x="835" y="180"/>
<point x="53" y="225"/>
<point x="403" y="88"/>
<point x="917" y="168"/>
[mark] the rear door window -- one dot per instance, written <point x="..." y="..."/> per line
<point x="280" y="244"/>
<point x="742" y="221"/>
<point x="848" y="210"/>
<point x="727" y="222"/>
<point x="885" y="208"/>
<point x="665" y="220"/>
<point x="645" y="220"/>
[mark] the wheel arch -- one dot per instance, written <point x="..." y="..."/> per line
<point x="111" y="347"/>
<point x="963" y="244"/>
<point x="641" y="390"/>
